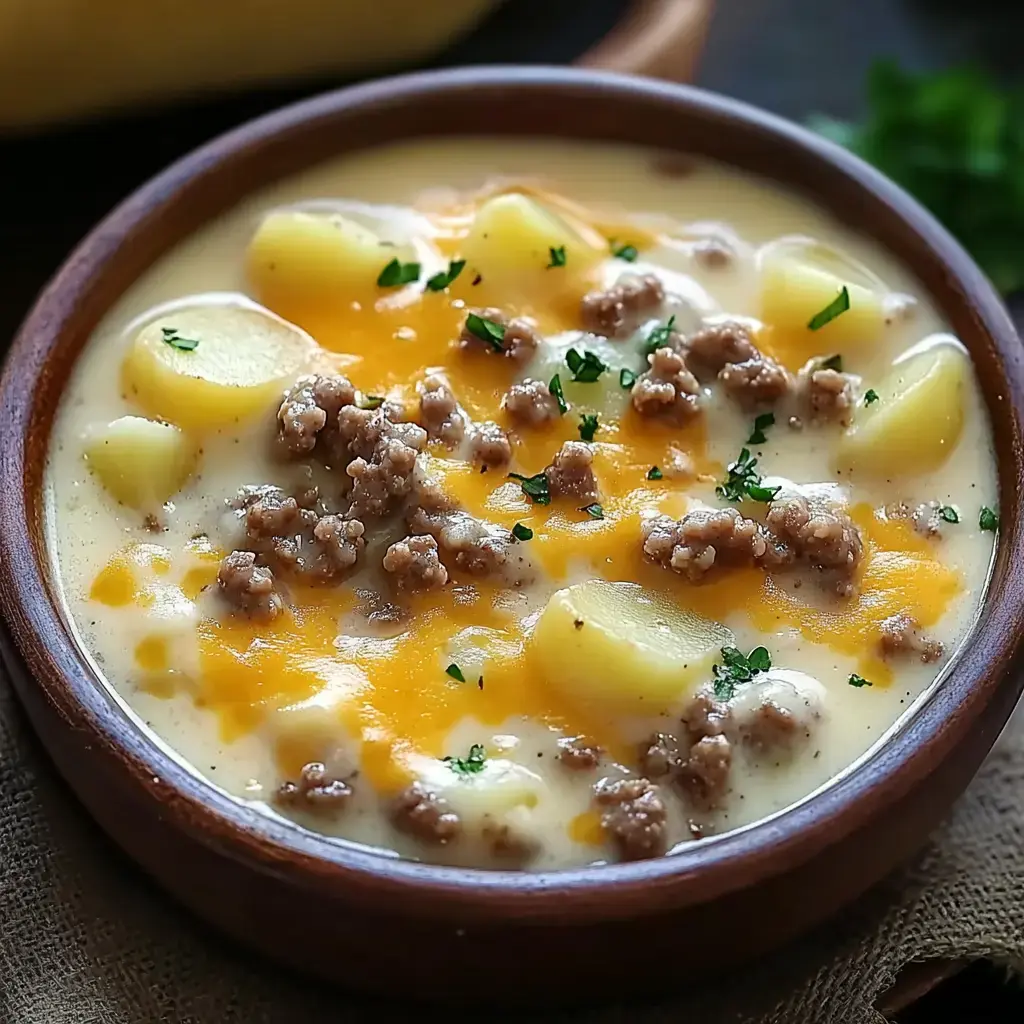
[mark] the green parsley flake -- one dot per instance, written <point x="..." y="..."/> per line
<point x="988" y="520"/>
<point x="948" y="514"/>
<point x="624" y="252"/>
<point x="654" y="473"/>
<point x="765" y="420"/>
<point x="534" y="487"/>
<point x="870" y="396"/>
<point x="470" y="765"/>
<point x="555" y="387"/>
<point x="455" y="672"/>
<point x="175" y="340"/>
<point x="738" y="668"/>
<point x="627" y="378"/>
<point x="832" y="363"/>
<point x="588" y="426"/>
<point x="520" y="532"/>
<point x="659" y="336"/>
<point x="858" y="681"/>
<point x="586" y="368"/>
<point x="839" y="305"/>
<point x="593" y="510"/>
<point x="443" y="278"/>
<point x="744" y="481"/>
<point x="557" y="256"/>
<point x="488" y="331"/>
<point x="398" y="273"/>
<point x="370" y="402"/>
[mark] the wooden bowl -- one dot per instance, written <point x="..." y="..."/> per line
<point x="445" y="933"/>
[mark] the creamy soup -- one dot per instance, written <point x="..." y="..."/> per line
<point x="522" y="504"/>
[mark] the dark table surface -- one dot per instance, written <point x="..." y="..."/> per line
<point x="794" y="57"/>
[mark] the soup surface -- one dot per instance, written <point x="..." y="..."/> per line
<point x="522" y="504"/>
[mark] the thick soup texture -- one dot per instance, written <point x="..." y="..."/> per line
<point x="522" y="504"/>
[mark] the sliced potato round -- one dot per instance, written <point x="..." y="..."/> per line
<point x="510" y="244"/>
<point x="204" y="367"/>
<point x="618" y="643"/>
<point x="302" y="257"/>
<point x="916" y="421"/>
<point x="140" y="462"/>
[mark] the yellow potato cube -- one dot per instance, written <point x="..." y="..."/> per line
<point x="297" y="257"/>
<point x="140" y="462"/>
<point x="917" y="420"/>
<point x="510" y="244"/>
<point x="205" y="367"/>
<point x="793" y="292"/>
<point x="618" y="644"/>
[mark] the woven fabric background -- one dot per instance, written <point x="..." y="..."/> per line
<point x="85" y="938"/>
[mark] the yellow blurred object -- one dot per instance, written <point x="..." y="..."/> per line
<point x="62" y="59"/>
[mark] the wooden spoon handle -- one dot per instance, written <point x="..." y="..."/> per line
<point x="657" y="38"/>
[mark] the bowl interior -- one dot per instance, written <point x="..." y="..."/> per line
<point x="497" y="101"/>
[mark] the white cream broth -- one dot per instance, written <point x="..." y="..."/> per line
<point x="247" y="703"/>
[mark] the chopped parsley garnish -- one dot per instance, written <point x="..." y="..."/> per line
<point x="371" y="402"/>
<point x="988" y="520"/>
<point x="948" y="514"/>
<point x="585" y="368"/>
<point x="398" y="273"/>
<point x="588" y="426"/>
<point x="443" y="278"/>
<point x="625" y="251"/>
<point x="455" y="672"/>
<point x="659" y="336"/>
<point x="488" y="331"/>
<point x="627" y="378"/>
<point x="839" y="305"/>
<point x="744" y="481"/>
<point x="870" y="396"/>
<point x="593" y="510"/>
<point x="738" y="668"/>
<point x="534" y="487"/>
<point x="765" y="420"/>
<point x="832" y="363"/>
<point x="557" y="256"/>
<point x="555" y="387"/>
<point x="858" y="681"/>
<point x="520" y="532"/>
<point x="654" y="473"/>
<point x="175" y="340"/>
<point x="468" y="765"/>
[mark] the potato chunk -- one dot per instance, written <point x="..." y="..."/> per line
<point x="916" y="421"/>
<point x="794" y="290"/>
<point x="140" y="462"/>
<point x="616" y="643"/>
<point x="510" y="245"/>
<point x="297" y="257"/>
<point x="204" y="367"/>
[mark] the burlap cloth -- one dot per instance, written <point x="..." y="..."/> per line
<point x="85" y="938"/>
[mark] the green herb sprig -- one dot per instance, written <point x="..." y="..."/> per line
<point x="490" y="332"/>
<point x="175" y="340"/>
<point x="738" y="668"/>
<point x="988" y="519"/>
<point x="534" y="487"/>
<point x="743" y="481"/>
<point x="555" y="387"/>
<point x="557" y="253"/>
<point x="397" y="273"/>
<point x="588" y="426"/>
<point x="470" y="765"/>
<point x="839" y="305"/>
<point x="761" y="424"/>
<point x="443" y="278"/>
<point x="586" y="368"/>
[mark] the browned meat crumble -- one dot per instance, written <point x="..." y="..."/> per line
<point x="520" y="340"/>
<point x="571" y="473"/>
<point x="616" y="312"/>
<point x="310" y="410"/>
<point x="415" y="564"/>
<point x="439" y="413"/>
<point x="316" y="790"/>
<point x="420" y="812"/>
<point x="531" y="403"/>
<point x="249" y="587"/>
<point x="579" y="753"/>
<point x="489" y="445"/>
<point x="667" y="388"/>
<point x="634" y="816"/>
<point x="827" y="395"/>
<point x="902" y="636"/>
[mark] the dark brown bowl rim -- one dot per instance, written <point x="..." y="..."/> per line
<point x="698" y="872"/>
